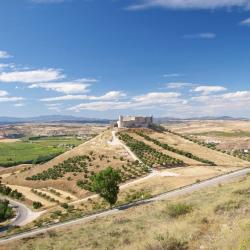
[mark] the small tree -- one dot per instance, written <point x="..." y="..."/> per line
<point x="106" y="184"/>
<point x="37" y="204"/>
<point x="6" y="211"/>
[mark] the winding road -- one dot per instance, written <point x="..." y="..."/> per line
<point x="181" y="191"/>
<point x="24" y="215"/>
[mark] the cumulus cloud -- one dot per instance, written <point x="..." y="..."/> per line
<point x="205" y="35"/>
<point x="31" y="76"/>
<point x="209" y="89"/>
<point x="245" y="22"/>
<point x="157" y="97"/>
<point x="3" y="93"/>
<point x="18" y="105"/>
<point x="179" y="85"/>
<point x="4" y="54"/>
<point x="146" y="101"/>
<point x="64" y="87"/>
<point x="111" y="95"/>
<point x="189" y="4"/>
<point x="101" y="106"/>
<point x="171" y="75"/>
<point x="11" y="99"/>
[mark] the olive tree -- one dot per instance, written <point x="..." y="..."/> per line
<point x="106" y="184"/>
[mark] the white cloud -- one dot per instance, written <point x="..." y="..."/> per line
<point x="11" y="99"/>
<point x="189" y="4"/>
<point x="4" y="55"/>
<point x="209" y="89"/>
<point x="178" y="85"/>
<point x="63" y="87"/>
<point x="31" y="76"/>
<point x="146" y="101"/>
<point x="3" y="93"/>
<point x="156" y="97"/>
<point x="245" y="22"/>
<point x="18" y="105"/>
<point x="111" y="95"/>
<point x="171" y="75"/>
<point x="239" y="95"/>
<point x="100" y="106"/>
<point x="205" y="35"/>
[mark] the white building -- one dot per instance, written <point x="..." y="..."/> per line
<point x="134" y="121"/>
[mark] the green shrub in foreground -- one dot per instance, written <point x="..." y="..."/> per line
<point x="178" y="209"/>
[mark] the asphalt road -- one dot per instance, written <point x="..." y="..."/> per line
<point x="170" y="194"/>
<point x="23" y="214"/>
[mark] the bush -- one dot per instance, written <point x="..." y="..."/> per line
<point x="6" y="212"/>
<point x="37" y="204"/>
<point x="228" y="206"/>
<point x="168" y="243"/>
<point x="65" y="205"/>
<point x="178" y="209"/>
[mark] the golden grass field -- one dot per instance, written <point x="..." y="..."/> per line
<point x="219" y="220"/>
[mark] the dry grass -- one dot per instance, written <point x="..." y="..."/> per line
<point x="219" y="158"/>
<point x="151" y="227"/>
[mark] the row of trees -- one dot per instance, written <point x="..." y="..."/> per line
<point x="7" y="191"/>
<point x="241" y="155"/>
<point x="175" y="150"/>
<point x="76" y="164"/>
<point x="148" y="155"/>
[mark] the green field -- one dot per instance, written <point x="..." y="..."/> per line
<point x="35" y="149"/>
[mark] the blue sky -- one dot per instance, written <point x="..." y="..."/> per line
<point x="102" y="58"/>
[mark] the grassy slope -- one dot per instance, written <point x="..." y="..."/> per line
<point x="29" y="150"/>
<point x="220" y="220"/>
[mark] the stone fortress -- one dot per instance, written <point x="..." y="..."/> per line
<point x="134" y="121"/>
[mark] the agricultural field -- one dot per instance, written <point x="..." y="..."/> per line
<point x="225" y="135"/>
<point x="214" y="218"/>
<point x="35" y="149"/>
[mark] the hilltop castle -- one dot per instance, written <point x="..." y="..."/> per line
<point x="134" y="121"/>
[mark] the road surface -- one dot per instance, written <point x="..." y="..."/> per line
<point x="23" y="214"/>
<point x="166" y="195"/>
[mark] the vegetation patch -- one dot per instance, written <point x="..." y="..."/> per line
<point x="76" y="164"/>
<point x="167" y="243"/>
<point x="6" y="212"/>
<point x="179" y="209"/>
<point x="228" y="206"/>
<point x="37" y="204"/>
<point x="35" y="150"/>
<point x="7" y="191"/>
<point x="148" y="155"/>
<point x="175" y="150"/>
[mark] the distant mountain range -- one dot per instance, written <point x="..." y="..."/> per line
<point x="68" y="118"/>
<point x="52" y="118"/>
<point x="203" y="118"/>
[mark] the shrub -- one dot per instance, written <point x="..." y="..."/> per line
<point x="6" y="212"/>
<point x="167" y="243"/>
<point x="178" y="209"/>
<point x="228" y="206"/>
<point x="65" y="205"/>
<point x="37" y="204"/>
